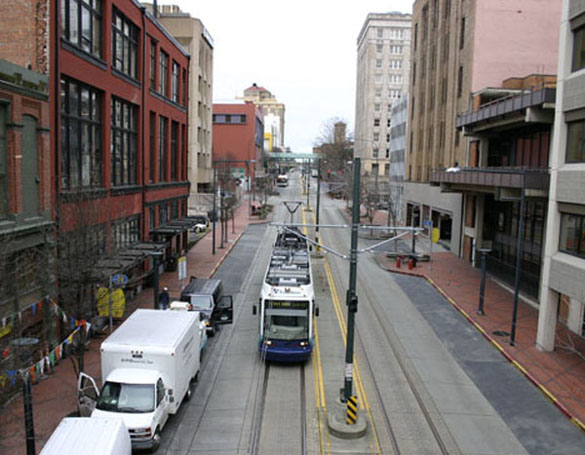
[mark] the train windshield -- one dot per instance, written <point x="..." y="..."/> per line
<point x="287" y="324"/>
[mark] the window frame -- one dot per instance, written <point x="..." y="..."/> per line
<point x="163" y="73"/>
<point x="68" y="121"/>
<point x="581" y="141"/>
<point x="128" y="35"/>
<point x="92" y="44"/>
<point x="579" y="251"/>
<point x="124" y="171"/>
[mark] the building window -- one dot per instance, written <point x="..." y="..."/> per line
<point x="376" y="122"/>
<point x="388" y="122"/>
<point x="163" y="214"/>
<point x="379" y="48"/>
<point x="460" y="82"/>
<point x="124" y="45"/>
<point x="415" y="35"/>
<point x="462" y="36"/>
<point x="124" y="142"/>
<point x="380" y="32"/>
<point x="126" y="232"/>
<point x="376" y="136"/>
<point x="184" y="92"/>
<point x="175" y="83"/>
<point x="163" y="74"/>
<point x="3" y="162"/>
<point x="152" y="65"/>
<point x="152" y="147"/>
<point x="575" y="141"/>
<point x="82" y="24"/>
<point x="81" y="135"/>
<point x="162" y="148"/>
<point x="379" y="63"/>
<point x="151" y="218"/>
<point x="387" y="138"/>
<point x="578" y="48"/>
<point x="395" y="64"/>
<point x="572" y="234"/>
<point x="175" y="210"/>
<point x="375" y="153"/>
<point x="174" y="150"/>
<point x="396" y="50"/>
<point x="377" y="107"/>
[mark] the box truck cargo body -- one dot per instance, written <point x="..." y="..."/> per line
<point x="90" y="436"/>
<point x="149" y="365"/>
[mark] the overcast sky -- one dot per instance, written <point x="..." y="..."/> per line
<point x="302" y="51"/>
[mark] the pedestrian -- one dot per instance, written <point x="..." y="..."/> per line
<point x="163" y="299"/>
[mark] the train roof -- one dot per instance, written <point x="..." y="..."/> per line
<point x="289" y="261"/>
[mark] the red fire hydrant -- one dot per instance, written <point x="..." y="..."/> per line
<point x="410" y="264"/>
<point x="398" y="262"/>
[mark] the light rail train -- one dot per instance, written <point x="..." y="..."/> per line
<point x="287" y="301"/>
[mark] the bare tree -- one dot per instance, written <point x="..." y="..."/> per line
<point x="335" y="145"/>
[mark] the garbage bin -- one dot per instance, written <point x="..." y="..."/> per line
<point x="172" y="263"/>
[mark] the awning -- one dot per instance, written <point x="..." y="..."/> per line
<point x="126" y="259"/>
<point x="174" y="227"/>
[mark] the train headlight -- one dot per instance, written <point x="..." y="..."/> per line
<point x="303" y="344"/>
<point x="268" y="343"/>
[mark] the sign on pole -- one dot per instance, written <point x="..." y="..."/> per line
<point x="182" y="267"/>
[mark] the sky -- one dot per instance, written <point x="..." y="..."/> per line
<point x="304" y="52"/>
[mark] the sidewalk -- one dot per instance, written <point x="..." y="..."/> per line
<point x="560" y="374"/>
<point x="55" y="397"/>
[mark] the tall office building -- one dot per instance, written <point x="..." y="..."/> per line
<point x="458" y="48"/>
<point x="197" y="41"/>
<point x="383" y="67"/>
<point x="273" y="115"/>
<point x="562" y="293"/>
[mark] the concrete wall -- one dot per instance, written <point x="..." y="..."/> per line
<point x="423" y="194"/>
<point x="514" y="39"/>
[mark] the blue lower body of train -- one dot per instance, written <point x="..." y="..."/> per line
<point x="291" y="351"/>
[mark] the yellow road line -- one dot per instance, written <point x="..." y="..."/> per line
<point x="321" y="403"/>
<point x="359" y="382"/>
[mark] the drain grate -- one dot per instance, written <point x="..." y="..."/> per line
<point x="500" y="333"/>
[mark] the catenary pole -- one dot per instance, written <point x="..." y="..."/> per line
<point x="351" y="297"/>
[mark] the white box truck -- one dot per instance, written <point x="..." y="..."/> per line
<point x="90" y="436"/>
<point x="149" y="365"/>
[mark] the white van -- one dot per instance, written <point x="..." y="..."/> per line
<point x="90" y="436"/>
<point x="149" y="365"/>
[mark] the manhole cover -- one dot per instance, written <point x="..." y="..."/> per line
<point x="500" y="333"/>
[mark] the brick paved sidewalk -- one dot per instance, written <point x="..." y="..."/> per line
<point x="55" y="397"/>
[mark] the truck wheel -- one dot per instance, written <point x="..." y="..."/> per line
<point x="155" y="441"/>
<point x="189" y="393"/>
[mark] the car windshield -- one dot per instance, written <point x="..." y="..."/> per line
<point x="286" y="325"/>
<point x="135" y="398"/>
<point x="201" y="302"/>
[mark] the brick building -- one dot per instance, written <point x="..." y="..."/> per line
<point x="238" y="135"/>
<point x="26" y="229"/>
<point x="119" y="116"/>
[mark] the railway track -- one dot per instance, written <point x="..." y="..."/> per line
<point x="377" y="324"/>
<point x="267" y="431"/>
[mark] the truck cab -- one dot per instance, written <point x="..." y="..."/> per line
<point x="150" y="365"/>
<point x="206" y="296"/>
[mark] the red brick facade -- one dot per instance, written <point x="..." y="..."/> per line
<point x="81" y="67"/>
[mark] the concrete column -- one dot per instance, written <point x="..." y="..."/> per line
<point x="547" y="320"/>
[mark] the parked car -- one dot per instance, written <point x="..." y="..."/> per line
<point x="206" y="295"/>
<point x="202" y="223"/>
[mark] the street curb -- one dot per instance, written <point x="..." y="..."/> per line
<point x="574" y="420"/>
